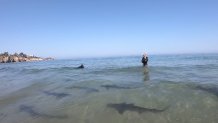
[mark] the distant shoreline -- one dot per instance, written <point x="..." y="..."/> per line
<point x="21" y="57"/>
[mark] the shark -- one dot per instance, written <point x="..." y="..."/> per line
<point x="32" y="112"/>
<point x="116" y="87"/>
<point x="57" y="95"/>
<point x="212" y="90"/>
<point x="123" y="107"/>
<point x="84" y="88"/>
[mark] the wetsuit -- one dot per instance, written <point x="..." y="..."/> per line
<point x="145" y="60"/>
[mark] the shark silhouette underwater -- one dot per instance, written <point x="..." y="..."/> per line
<point x="32" y="112"/>
<point x="123" y="107"/>
<point x="57" y="95"/>
<point x="116" y="87"/>
<point x="212" y="90"/>
<point x="87" y="89"/>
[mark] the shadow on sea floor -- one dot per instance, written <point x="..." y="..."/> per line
<point x="33" y="113"/>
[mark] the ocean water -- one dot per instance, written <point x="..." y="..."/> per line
<point x="172" y="89"/>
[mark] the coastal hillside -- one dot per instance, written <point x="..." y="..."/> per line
<point x="21" y="57"/>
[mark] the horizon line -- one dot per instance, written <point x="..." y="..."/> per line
<point x="132" y="55"/>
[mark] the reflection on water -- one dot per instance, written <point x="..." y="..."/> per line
<point x="146" y="73"/>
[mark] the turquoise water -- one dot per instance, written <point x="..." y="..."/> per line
<point x="173" y="88"/>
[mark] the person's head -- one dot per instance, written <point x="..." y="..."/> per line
<point x="144" y="55"/>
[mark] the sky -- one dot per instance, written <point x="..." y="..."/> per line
<point x="96" y="28"/>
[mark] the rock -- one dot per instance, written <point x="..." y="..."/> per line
<point x="15" y="59"/>
<point x="49" y="58"/>
<point x="21" y="59"/>
<point x="7" y="58"/>
<point x="4" y="57"/>
<point x="1" y="59"/>
<point x="11" y="58"/>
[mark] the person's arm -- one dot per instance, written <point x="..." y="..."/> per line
<point x="143" y="59"/>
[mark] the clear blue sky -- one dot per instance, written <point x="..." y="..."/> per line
<point x="86" y="28"/>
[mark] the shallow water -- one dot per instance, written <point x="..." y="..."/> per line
<point x="173" y="88"/>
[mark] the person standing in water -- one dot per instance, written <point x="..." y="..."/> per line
<point x="145" y="67"/>
<point x="145" y="60"/>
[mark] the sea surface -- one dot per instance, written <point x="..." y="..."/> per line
<point x="171" y="89"/>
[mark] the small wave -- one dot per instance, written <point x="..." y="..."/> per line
<point x="32" y="71"/>
<point x="39" y="70"/>
<point x="133" y="69"/>
<point x="64" y="68"/>
<point x="7" y="69"/>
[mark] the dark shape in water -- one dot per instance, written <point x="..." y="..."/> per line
<point x="122" y="107"/>
<point x="84" y="88"/>
<point x="30" y="110"/>
<point x="116" y="87"/>
<point x="2" y="115"/>
<point x="80" y="67"/>
<point x="57" y="95"/>
<point x="212" y="90"/>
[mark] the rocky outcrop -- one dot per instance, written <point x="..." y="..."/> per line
<point x="8" y="58"/>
